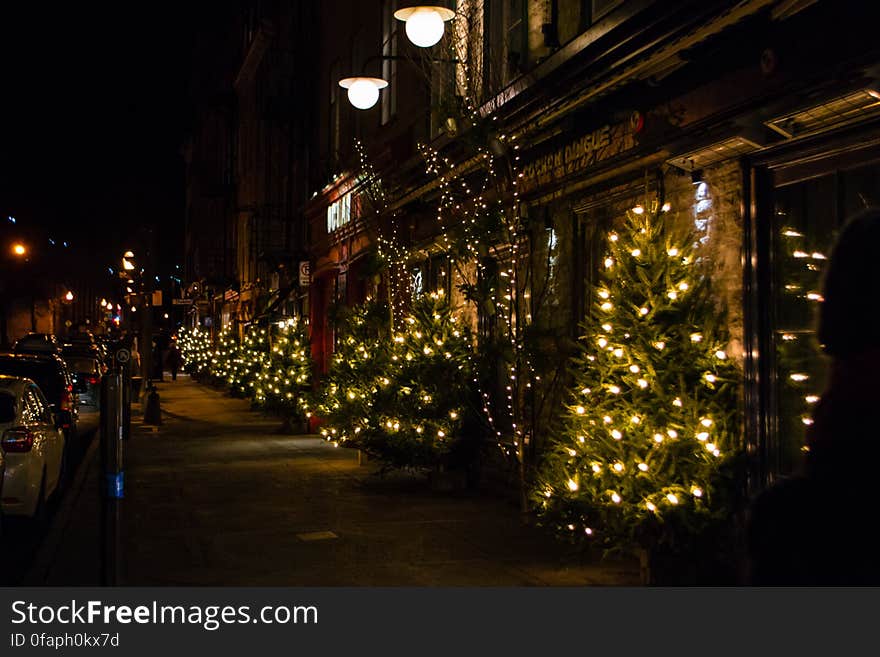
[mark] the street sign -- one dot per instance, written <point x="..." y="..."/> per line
<point x="123" y="355"/>
<point x="304" y="273"/>
<point x="181" y="302"/>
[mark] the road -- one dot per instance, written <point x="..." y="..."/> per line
<point x="21" y="539"/>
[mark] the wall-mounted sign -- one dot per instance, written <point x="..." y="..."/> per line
<point x="304" y="274"/>
<point x="339" y="213"/>
<point x="600" y="144"/>
<point x="181" y="302"/>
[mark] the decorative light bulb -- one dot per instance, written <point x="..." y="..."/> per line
<point x="672" y="433"/>
<point x="618" y="467"/>
<point x="697" y="492"/>
<point x="643" y="311"/>
<point x="580" y="410"/>
<point x="643" y="467"/>
<point x="636" y="253"/>
<point x="643" y="383"/>
<point x="606" y="419"/>
<point x="672" y="252"/>
<point x="614" y="390"/>
<point x="572" y="485"/>
<point x="615" y="498"/>
<point x="616" y="434"/>
<point x="673" y="499"/>
<point x="634" y="369"/>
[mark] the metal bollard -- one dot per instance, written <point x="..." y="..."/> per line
<point x="112" y="472"/>
<point x="153" y="409"/>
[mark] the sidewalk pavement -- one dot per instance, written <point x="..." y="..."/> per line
<point x="216" y="496"/>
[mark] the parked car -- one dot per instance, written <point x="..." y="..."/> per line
<point x="84" y="351"/>
<point x="50" y="373"/>
<point x="38" y="343"/>
<point x="33" y="447"/>
<point x="7" y="411"/>
<point x="86" y="372"/>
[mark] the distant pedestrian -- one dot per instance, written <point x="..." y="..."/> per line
<point x="175" y="360"/>
<point x="818" y="527"/>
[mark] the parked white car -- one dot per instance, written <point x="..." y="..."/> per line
<point x="33" y="447"/>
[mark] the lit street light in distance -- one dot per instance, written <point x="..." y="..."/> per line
<point x="19" y="249"/>
<point x="69" y="295"/>
<point x="127" y="259"/>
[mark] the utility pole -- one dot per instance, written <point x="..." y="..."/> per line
<point x="147" y="317"/>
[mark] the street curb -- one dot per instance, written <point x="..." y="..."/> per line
<point x="38" y="573"/>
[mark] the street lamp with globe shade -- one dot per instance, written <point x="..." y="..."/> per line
<point x="19" y="249"/>
<point x="363" y="92"/>
<point x="424" y="24"/>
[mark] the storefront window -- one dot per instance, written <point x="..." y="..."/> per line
<point x="807" y="217"/>
<point x="805" y="222"/>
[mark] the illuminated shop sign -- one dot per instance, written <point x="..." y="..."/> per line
<point x="339" y="213"/>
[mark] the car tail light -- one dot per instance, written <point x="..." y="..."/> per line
<point x="19" y="439"/>
<point x="94" y="379"/>
<point x="66" y="402"/>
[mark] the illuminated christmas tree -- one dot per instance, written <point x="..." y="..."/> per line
<point x="651" y="430"/>
<point x="361" y="363"/>
<point x="286" y="372"/>
<point x="223" y="354"/>
<point x="402" y="399"/>
<point x="195" y="347"/>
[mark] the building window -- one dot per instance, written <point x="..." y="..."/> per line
<point x="339" y="213"/>
<point x="389" y="66"/>
<point x="505" y="48"/>
<point x="333" y="115"/>
<point x="806" y="217"/>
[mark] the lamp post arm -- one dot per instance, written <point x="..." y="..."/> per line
<point x="374" y="58"/>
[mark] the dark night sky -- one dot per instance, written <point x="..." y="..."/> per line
<point x="93" y="111"/>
